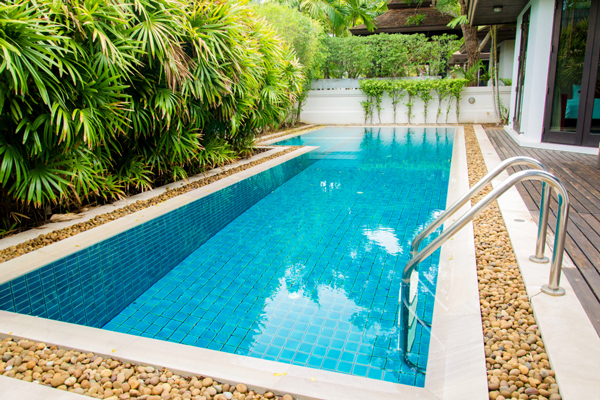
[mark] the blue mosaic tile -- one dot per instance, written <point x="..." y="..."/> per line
<point x="315" y="283"/>
<point x="299" y="264"/>
<point x="93" y="285"/>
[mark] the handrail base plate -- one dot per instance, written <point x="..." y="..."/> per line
<point x="553" y="292"/>
<point x="543" y="260"/>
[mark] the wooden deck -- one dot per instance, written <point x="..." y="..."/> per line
<point x="582" y="180"/>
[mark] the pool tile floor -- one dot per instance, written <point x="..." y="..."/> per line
<point x="310" y="274"/>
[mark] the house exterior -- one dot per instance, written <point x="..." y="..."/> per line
<point x="555" y="97"/>
<point x="400" y="18"/>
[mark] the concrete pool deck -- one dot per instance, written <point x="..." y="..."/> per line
<point x="456" y="354"/>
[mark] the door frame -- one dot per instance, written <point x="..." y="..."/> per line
<point x="589" y="139"/>
<point x="584" y="117"/>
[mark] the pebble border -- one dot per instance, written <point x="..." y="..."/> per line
<point x="104" y="378"/>
<point x="516" y="359"/>
<point x="43" y="240"/>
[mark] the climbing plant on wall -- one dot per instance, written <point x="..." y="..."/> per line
<point x="449" y="88"/>
<point x="374" y="89"/>
<point x="395" y="90"/>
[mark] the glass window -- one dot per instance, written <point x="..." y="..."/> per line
<point x="570" y="64"/>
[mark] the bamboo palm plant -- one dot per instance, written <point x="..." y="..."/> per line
<point x="104" y="98"/>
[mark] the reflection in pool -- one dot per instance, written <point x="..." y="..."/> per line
<point x="310" y="274"/>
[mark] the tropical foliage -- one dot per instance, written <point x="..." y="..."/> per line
<point x="305" y="36"/>
<point x="458" y="10"/>
<point x="386" y="55"/>
<point x="338" y="16"/>
<point x="449" y="89"/>
<point x="103" y="98"/>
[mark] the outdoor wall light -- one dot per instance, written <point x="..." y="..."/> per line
<point x="497" y="8"/>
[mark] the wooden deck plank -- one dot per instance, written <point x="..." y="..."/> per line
<point x="582" y="181"/>
<point x="584" y="294"/>
<point x="583" y="200"/>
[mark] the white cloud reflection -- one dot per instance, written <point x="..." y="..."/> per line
<point x="384" y="237"/>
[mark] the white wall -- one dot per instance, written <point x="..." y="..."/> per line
<point x="343" y="107"/>
<point x="506" y="59"/>
<point x="536" y="69"/>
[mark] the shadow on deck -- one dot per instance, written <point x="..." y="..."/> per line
<point x="582" y="180"/>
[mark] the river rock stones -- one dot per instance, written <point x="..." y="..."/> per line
<point x="516" y="360"/>
<point x="106" y="378"/>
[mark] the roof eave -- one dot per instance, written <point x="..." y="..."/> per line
<point x="481" y="11"/>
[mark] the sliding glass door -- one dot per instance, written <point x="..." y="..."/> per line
<point x="573" y="101"/>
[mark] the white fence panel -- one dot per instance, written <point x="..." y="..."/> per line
<point x="342" y="106"/>
<point x="329" y="84"/>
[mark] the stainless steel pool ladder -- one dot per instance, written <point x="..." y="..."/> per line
<point x="539" y="173"/>
<point x="544" y="206"/>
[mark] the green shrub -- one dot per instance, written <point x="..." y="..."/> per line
<point x="386" y="55"/>
<point x="103" y="98"/>
<point x="305" y="36"/>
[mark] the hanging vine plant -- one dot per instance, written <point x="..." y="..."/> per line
<point x="443" y="91"/>
<point x="456" y="87"/>
<point x="424" y="89"/>
<point x="395" y="90"/>
<point x="412" y="89"/>
<point x="374" y="89"/>
<point x="367" y="106"/>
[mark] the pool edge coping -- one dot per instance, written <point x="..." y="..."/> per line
<point x="38" y="258"/>
<point x="85" y="216"/>
<point x="314" y="127"/>
<point x="445" y="377"/>
<point x="576" y="367"/>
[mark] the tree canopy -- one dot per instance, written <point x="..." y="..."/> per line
<point x="338" y="16"/>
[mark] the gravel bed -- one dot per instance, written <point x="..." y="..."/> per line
<point x="516" y="359"/>
<point x="106" y="378"/>
<point x="60" y="234"/>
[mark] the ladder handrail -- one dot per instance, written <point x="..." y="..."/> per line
<point x="563" y="212"/>
<point x="528" y="161"/>
<point x="552" y="288"/>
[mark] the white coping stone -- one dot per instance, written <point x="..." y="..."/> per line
<point x="572" y="344"/>
<point x="93" y="212"/>
<point x="15" y="389"/>
<point x="456" y="366"/>
<point x="293" y="133"/>
<point x="303" y="128"/>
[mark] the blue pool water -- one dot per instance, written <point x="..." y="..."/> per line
<point x="310" y="274"/>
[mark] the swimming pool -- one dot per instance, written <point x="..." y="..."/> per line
<point x="310" y="274"/>
<point x="307" y="272"/>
